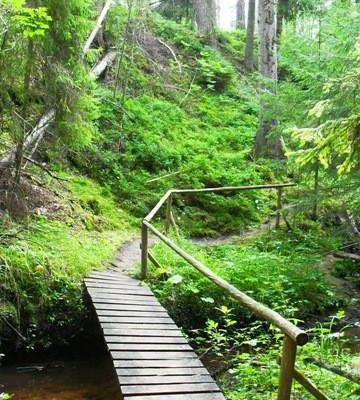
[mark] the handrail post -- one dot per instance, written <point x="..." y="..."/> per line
<point x="144" y="250"/>
<point x="168" y="214"/>
<point x="287" y="368"/>
<point x="278" y="207"/>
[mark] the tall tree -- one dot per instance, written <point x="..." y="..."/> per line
<point x="205" y="15"/>
<point x="265" y="145"/>
<point x="249" y="48"/>
<point x="240" y="14"/>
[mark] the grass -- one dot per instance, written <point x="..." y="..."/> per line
<point x="42" y="267"/>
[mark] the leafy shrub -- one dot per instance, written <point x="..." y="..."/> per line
<point x="283" y="276"/>
<point x="214" y="72"/>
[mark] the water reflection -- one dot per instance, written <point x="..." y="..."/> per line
<point x="83" y="378"/>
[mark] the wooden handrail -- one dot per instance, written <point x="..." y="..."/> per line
<point x="294" y="336"/>
<point x="160" y="203"/>
<point x="297" y="335"/>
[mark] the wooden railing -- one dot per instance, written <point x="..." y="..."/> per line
<point x="294" y="336"/>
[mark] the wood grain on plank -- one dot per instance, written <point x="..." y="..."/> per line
<point x="145" y="339"/>
<point x="154" y="372"/>
<point x="170" y="388"/>
<point x="187" y="396"/>
<point x="139" y="332"/>
<point x="152" y="380"/>
<point x="153" y="355"/>
<point x="178" y="363"/>
<point x="148" y="347"/>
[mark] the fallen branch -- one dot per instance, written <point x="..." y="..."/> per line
<point x="163" y="177"/>
<point x="21" y="336"/>
<point x="101" y="66"/>
<point x="190" y="89"/>
<point x="350" y="256"/>
<point x="172" y="53"/>
<point x="98" y="25"/>
<point x="352" y="223"/>
<point x="336" y="370"/>
<point x="45" y="169"/>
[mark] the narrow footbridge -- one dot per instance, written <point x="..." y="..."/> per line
<point x="152" y="358"/>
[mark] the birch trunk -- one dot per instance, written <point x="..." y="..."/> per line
<point x="98" y="25"/>
<point x="205" y="15"/>
<point x="249" y="49"/>
<point x="265" y="146"/>
<point x="240" y="14"/>
<point x="34" y="137"/>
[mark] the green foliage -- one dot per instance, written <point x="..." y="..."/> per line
<point x="32" y="22"/>
<point x="214" y="72"/>
<point x="42" y="269"/>
<point x="337" y="139"/>
<point x="255" y="373"/>
<point x="319" y="71"/>
<point x="278" y="269"/>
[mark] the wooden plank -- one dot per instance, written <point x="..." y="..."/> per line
<point x="145" y="340"/>
<point x="113" y="275"/>
<point x="178" y="363"/>
<point x="153" y="380"/>
<point x="148" y="347"/>
<point x="154" y="372"/>
<point x="96" y="293"/>
<point x="187" y="396"/>
<point x="139" y="332"/>
<point x="114" y="299"/>
<point x="137" y="320"/>
<point x="104" y="306"/>
<point x="131" y="313"/>
<point x="125" y="293"/>
<point x="106" y="285"/>
<point x="170" y="388"/>
<point x="112" y="281"/>
<point x="135" y="293"/>
<point x="161" y="327"/>
<point x="153" y="355"/>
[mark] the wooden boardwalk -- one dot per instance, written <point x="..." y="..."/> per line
<point x="152" y="359"/>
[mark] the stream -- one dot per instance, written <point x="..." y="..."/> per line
<point x="84" y="375"/>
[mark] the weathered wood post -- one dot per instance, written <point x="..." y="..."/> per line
<point x="287" y="369"/>
<point x="168" y="214"/>
<point x="278" y="207"/>
<point x="144" y="250"/>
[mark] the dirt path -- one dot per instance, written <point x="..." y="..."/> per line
<point x="249" y="233"/>
<point x="128" y="255"/>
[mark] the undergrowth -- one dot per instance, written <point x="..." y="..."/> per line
<point x="44" y="257"/>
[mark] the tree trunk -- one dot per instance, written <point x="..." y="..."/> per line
<point x="265" y="146"/>
<point x="240" y="14"/>
<point x="205" y="15"/>
<point x="249" y="49"/>
<point x="98" y="26"/>
<point x="282" y="13"/>
<point x="19" y="152"/>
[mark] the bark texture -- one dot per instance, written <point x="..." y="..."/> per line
<point x="265" y="146"/>
<point x="249" y="48"/>
<point x="240" y="14"/>
<point x="205" y="15"/>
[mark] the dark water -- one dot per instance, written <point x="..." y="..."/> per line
<point x="86" y="376"/>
